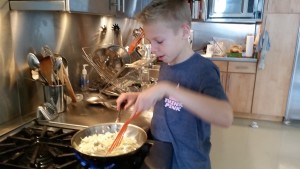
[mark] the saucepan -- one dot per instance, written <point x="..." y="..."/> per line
<point x="132" y="131"/>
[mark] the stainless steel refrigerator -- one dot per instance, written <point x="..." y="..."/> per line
<point x="293" y="104"/>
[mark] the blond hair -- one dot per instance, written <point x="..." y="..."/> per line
<point x="175" y="12"/>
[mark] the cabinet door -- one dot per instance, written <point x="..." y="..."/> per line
<point x="272" y="83"/>
<point x="102" y="7"/>
<point x="282" y="6"/>
<point x="239" y="90"/>
<point x="129" y="8"/>
<point x="223" y="66"/>
<point x="223" y="78"/>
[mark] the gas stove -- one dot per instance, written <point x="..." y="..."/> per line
<point x="43" y="146"/>
<point x="38" y="146"/>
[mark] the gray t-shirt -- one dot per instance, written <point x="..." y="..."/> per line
<point x="188" y="134"/>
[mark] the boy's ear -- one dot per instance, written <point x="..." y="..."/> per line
<point x="186" y="30"/>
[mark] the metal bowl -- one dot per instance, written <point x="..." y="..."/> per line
<point x="111" y="58"/>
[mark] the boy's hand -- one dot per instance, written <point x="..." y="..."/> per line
<point x="144" y="100"/>
<point x="150" y="96"/>
<point x="125" y="100"/>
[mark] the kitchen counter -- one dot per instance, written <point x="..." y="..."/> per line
<point x="234" y="59"/>
<point x="80" y="115"/>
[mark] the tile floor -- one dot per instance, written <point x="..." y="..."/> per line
<point x="273" y="145"/>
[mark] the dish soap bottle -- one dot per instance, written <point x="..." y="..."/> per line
<point x="84" y="81"/>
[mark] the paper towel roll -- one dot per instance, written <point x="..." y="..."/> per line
<point x="249" y="46"/>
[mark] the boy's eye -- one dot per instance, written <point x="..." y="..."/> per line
<point x="159" y="42"/>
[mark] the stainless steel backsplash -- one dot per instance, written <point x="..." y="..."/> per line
<point x="66" y="33"/>
<point x="9" y="102"/>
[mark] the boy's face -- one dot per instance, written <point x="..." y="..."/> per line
<point x="168" y="45"/>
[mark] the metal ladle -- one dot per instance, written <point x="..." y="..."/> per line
<point x="34" y="64"/>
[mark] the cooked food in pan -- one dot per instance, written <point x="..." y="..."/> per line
<point x="98" y="144"/>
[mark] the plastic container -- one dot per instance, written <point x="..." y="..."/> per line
<point x="84" y="80"/>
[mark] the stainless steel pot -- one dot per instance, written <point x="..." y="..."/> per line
<point x="132" y="131"/>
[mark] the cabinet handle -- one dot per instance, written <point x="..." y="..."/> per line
<point x="241" y="67"/>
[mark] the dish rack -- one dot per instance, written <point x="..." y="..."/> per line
<point x="115" y="66"/>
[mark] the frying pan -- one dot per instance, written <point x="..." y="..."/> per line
<point x="132" y="131"/>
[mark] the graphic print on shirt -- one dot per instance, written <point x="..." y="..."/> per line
<point x="173" y="104"/>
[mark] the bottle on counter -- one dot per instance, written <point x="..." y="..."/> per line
<point x="84" y="80"/>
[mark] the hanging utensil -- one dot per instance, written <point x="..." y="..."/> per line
<point x="102" y="35"/>
<point x="117" y="35"/>
<point x="136" y="41"/>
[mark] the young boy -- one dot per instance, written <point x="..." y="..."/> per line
<point x="188" y="96"/>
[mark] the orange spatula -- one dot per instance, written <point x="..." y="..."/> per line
<point x="119" y="137"/>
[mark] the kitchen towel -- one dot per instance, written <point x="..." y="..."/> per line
<point x="263" y="47"/>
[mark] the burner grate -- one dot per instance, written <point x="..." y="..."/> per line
<point x="48" y="147"/>
<point x="38" y="146"/>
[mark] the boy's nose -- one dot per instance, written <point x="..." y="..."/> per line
<point x="153" y="48"/>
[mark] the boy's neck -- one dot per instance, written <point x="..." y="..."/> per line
<point x="183" y="56"/>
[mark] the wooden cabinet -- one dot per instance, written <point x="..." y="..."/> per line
<point x="238" y="80"/>
<point x="240" y="85"/>
<point x="223" y="66"/>
<point x="273" y="82"/>
<point x="239" y="91"/>
<point x="282" y="6"/>
<point x="266" y="90"/>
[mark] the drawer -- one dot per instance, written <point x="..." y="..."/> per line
<point x="222" y="65"/>
<point x="242" y="67"/>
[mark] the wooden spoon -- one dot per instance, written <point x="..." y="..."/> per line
<point x="68" y="84"/>
<point x="46" y="68"/>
